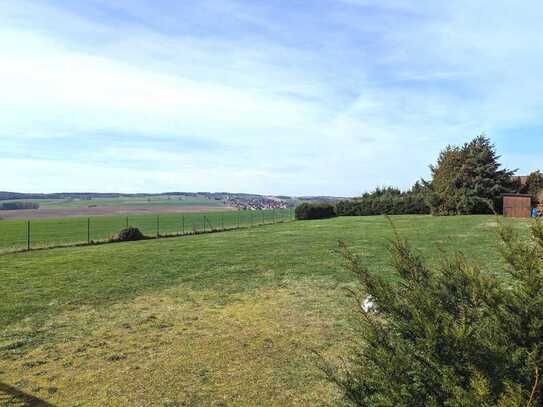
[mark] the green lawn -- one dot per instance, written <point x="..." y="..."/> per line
<point x="219" y="319"/>
<point x="71" y="230"/>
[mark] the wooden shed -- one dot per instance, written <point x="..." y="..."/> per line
<point x="517" y="206"/>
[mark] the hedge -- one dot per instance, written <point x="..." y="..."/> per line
<point x="307" y="211"/>
<point x="376" y="203"/>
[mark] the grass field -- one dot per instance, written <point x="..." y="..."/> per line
<point x="219" y="319"/>
<point x="73" y="230"/>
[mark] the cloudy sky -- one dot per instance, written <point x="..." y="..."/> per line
<point x="278" y="96"/>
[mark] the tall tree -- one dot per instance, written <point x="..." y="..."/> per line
<point x="469" y="179"/>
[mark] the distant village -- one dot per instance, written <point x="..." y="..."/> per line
<point x="256" y="203"/>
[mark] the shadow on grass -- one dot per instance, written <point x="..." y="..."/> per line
<point x="17" y="396"/>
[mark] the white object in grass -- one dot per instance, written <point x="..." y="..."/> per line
<point x="367" y="305"/>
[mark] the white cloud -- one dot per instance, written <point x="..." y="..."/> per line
<point x="47" y="81"/>
<point x="336" y="105"/>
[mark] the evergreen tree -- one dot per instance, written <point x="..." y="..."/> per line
<point x="455" y="335"/>
<point x="469" y="180"/>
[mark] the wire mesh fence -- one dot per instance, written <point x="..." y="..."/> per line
<point x="17" y="235"/>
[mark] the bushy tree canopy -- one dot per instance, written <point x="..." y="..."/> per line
<point x="534" y="185"/>
<point x="469" y="179"/>
<point x="455" y="335"/>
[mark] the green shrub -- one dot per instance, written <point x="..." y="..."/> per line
<point x="453" y="335"/>
<point x="315" y="210"/>
<point x="128" y="235"/>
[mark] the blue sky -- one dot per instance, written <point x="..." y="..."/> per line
<point x="275" y="97"/>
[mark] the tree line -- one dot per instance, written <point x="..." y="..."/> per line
<point x="465" y="180"/>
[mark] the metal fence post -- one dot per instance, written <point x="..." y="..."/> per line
<point x="158" y="227"/>
<point x="28" y="235"/>
<point x="238" y="219"/>
<point x="263" y="221"/>
<point x="273" y="215"/>
<point x="251" y="219"/>
<point x="127" y="222"/>
<point x="88" y="230"/>
<point x="183" y="220"/>
<point x="222" y="221"/>
<point x="205" y="223"/>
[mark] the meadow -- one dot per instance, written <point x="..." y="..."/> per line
<point x="76" y="230"/>
<point x="218" y="319"/>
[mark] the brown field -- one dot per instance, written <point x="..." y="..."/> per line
<point x="54" y="213"/>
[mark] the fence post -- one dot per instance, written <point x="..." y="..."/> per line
<point x="238" y="219"/>
<point x="263" y="212"/>
<point x="88" y="230"/>
<point x="205" y="220"/>
<point x="183" y="220"/>
<point x="273" y="215"/>
<point x="158" y="226"/>
<point x="28" y="235"/>
<point x="222" y="221"/>
<point x="251" y="219"/>
<point x="127" y="222"/>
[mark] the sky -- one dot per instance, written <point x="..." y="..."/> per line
<point x="295" y="97"/>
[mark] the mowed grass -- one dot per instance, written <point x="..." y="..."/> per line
<point x="220" y="319"/>
<point x="74" y="230"/>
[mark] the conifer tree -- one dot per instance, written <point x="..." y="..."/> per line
<point x="454" y="335"/>
<point x="469" y="179"/>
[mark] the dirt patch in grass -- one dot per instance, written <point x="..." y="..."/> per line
<point x="182" y="347"/>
